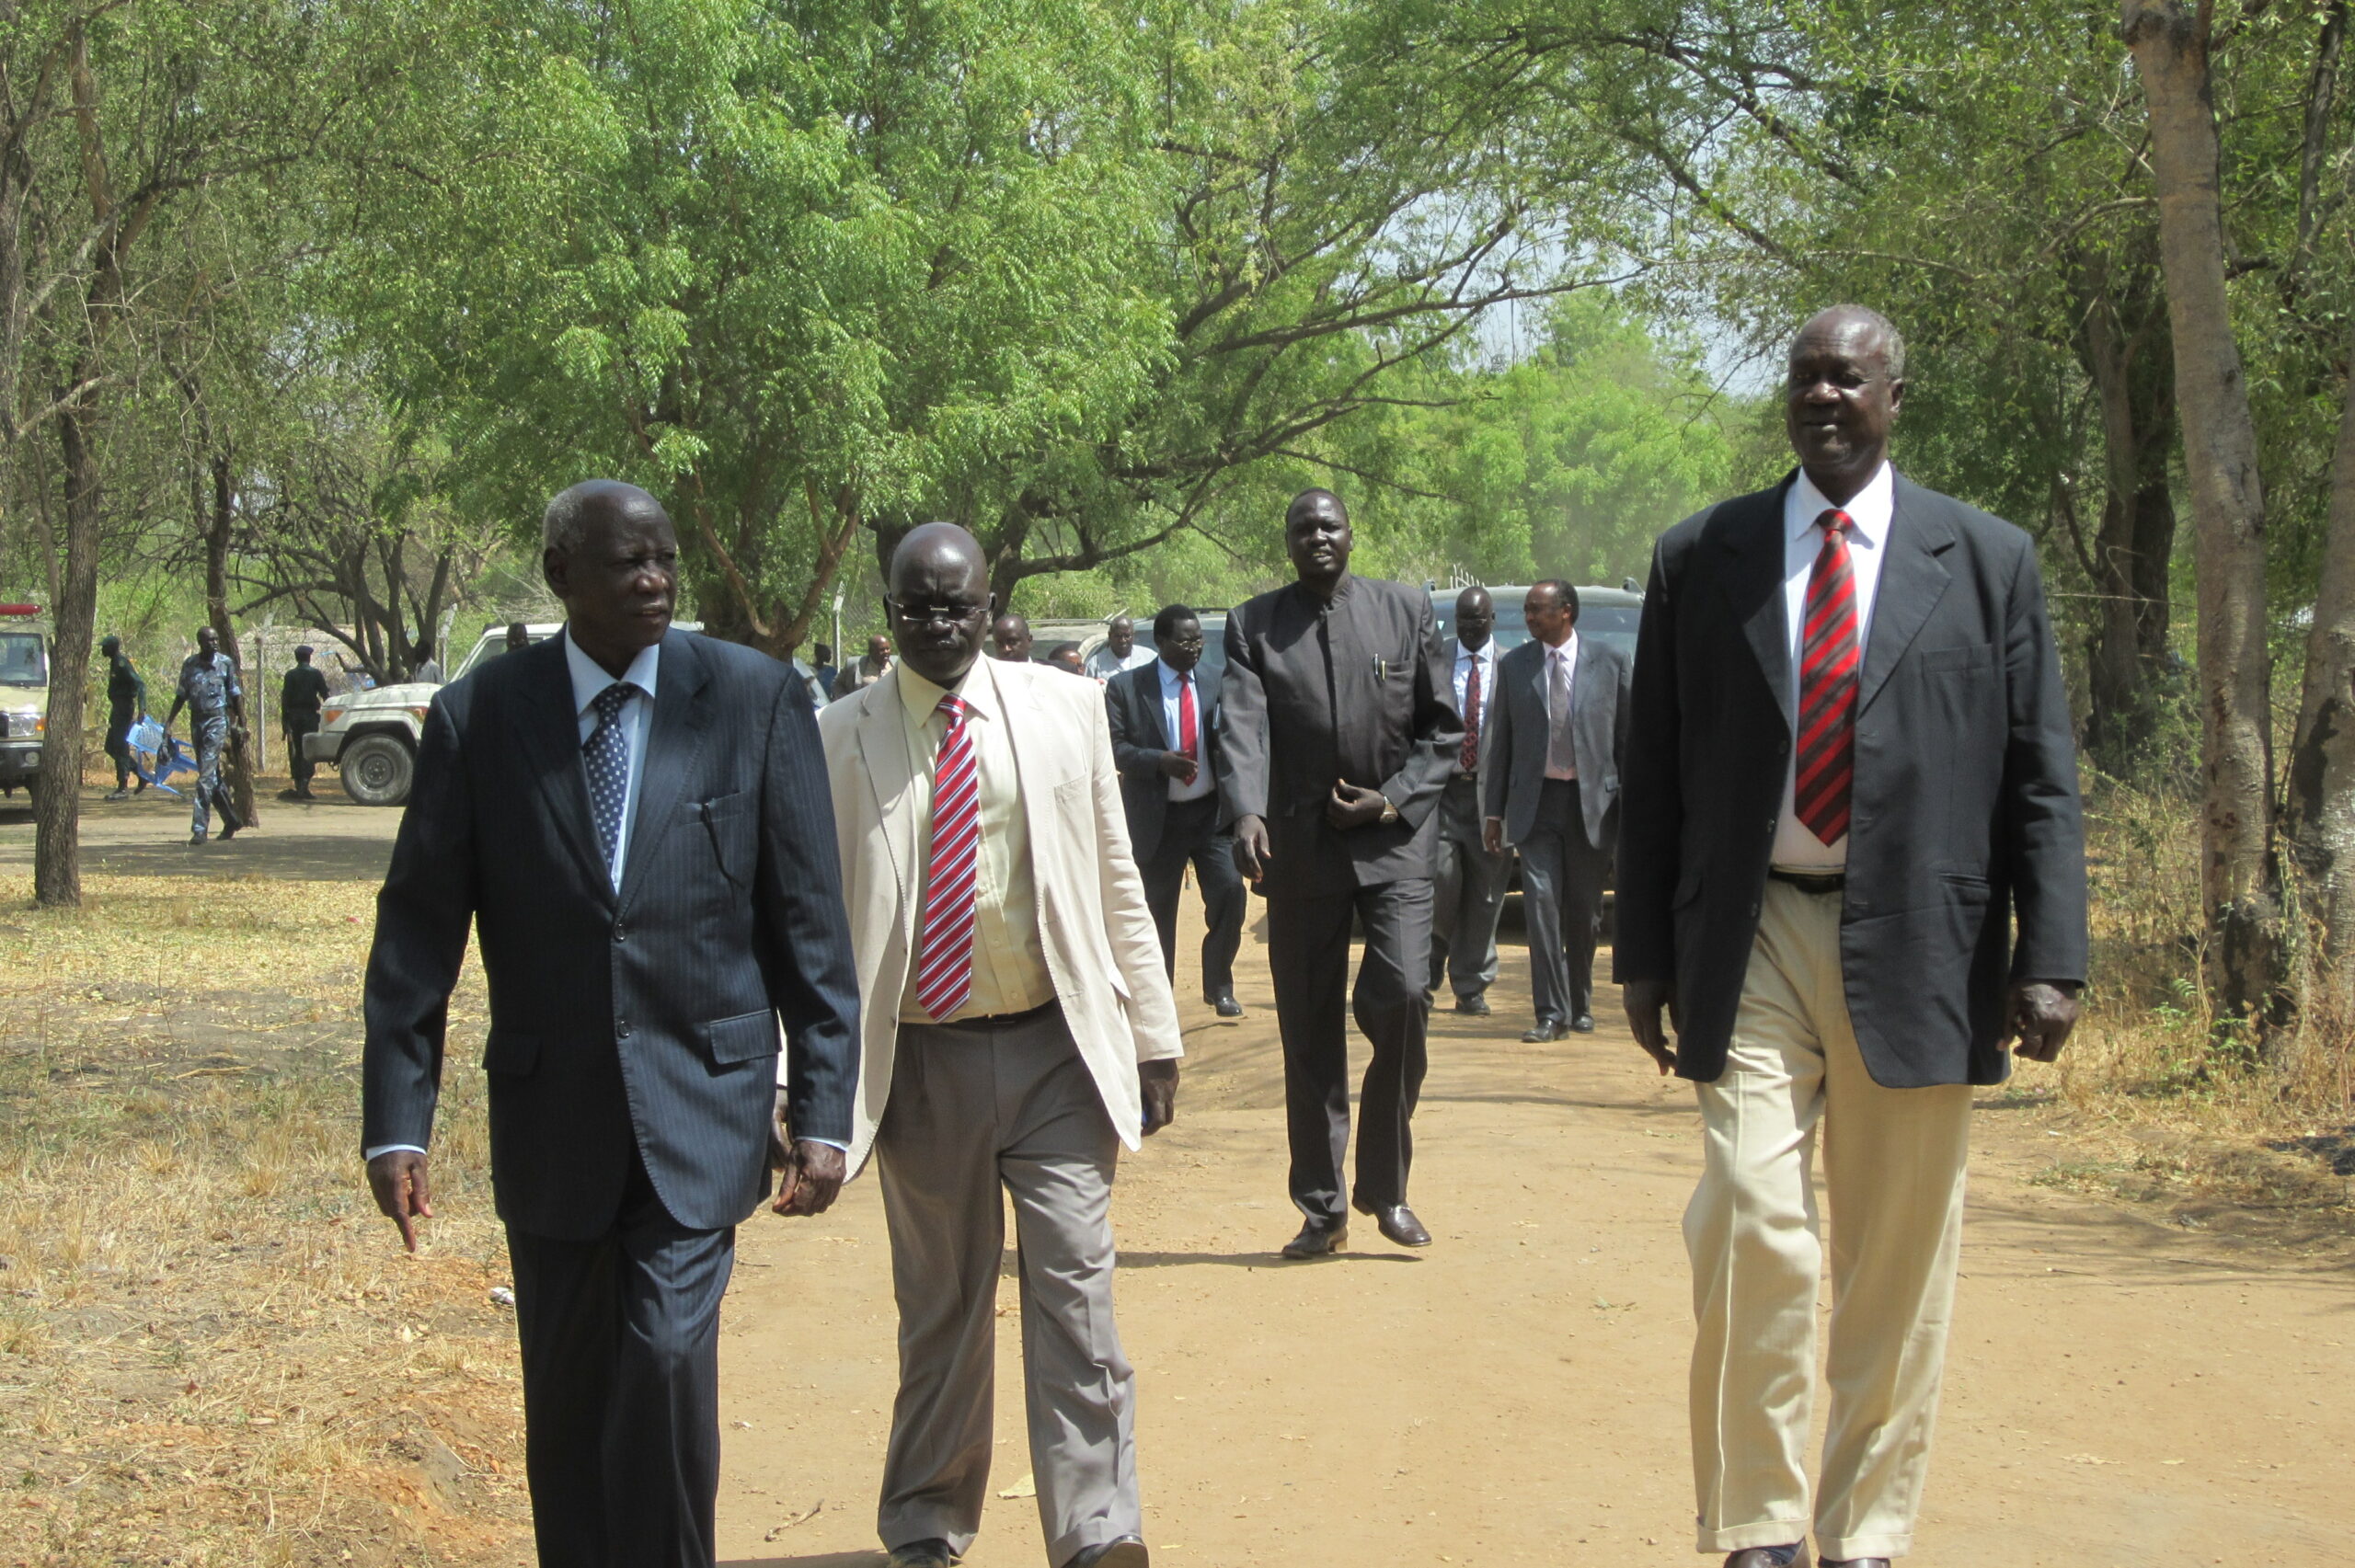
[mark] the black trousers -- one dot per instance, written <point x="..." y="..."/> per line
<point x="1189" y="835"/>
<point x="1308" y="950"/>
<point x="118" y="723"/>
<point x="1562" y="872"/>
<point x="298" y="725"/>
<point x="621" y="1387"/>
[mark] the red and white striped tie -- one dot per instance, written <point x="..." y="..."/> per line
<point x="945" y="946"/>
<point x="1828" y="658"/>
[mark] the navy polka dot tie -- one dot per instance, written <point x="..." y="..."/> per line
<point x="606" y="752"/>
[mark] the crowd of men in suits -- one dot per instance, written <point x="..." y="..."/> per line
<point x="729" y="938"/>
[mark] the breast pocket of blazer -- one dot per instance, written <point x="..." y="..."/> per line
<point x="731" y="824"/>
<point x="1962" y="663"/>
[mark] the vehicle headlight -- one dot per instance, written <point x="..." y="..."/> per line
<point x="329" y="715"/>
<point x="418" y="711"/>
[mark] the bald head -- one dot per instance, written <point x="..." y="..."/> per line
<point x="1476" y="619"/>
<point x="940" y="600"/>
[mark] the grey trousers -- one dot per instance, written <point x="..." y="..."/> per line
<point x="1561" y="883"/>
<point x="211" y="737"/>
<point x="1468" y="894"/>
<point x="973" y="1109"/>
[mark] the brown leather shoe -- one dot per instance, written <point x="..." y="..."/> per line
<point x="1852" y="1562"/>
<point x="1792" y="1556"/>
<point x="1318" y="1240"/>
<point x="1397" y="1222"/>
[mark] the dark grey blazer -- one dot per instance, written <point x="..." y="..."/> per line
<point x="645" y="1020"/>
<point x="1132" y="704"/>
<point x="1964" y="814"/>
<point x="1521" y="728"/>
<point x="1386" y="721"/>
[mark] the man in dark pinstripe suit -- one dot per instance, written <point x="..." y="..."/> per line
<point x="635" y="822"/>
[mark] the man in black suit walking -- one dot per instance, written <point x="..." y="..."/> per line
<point x="634" y="821"/>
<point x="1341" y="734"/>
<point x="1561" y="728"/>
<point x="1164" y="718"/>
<point x="1469" y="886"/>
<point x="1853" y="866"/>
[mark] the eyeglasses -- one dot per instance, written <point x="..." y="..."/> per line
<point x="1183" y="643"/>
<point x="948" y="614"/>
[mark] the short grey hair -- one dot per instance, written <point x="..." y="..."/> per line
<point x="566" y="523"/>
<point x="1893" y="340"/>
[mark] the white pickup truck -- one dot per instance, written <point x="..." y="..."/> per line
<point x="371" y="737"/>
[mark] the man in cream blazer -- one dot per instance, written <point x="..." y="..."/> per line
<point x="1020" y="1030"/>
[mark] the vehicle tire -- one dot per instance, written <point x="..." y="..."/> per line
<point x="377" y="769"/>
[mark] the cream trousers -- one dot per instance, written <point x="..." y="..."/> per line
<point x="1893" y="1163"/>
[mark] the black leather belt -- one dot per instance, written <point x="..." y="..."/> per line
<point x="1003" y="1019"/>
<point x="1810" y="881"/>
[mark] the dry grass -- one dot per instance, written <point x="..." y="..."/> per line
<point x="211" y="1350"/>
<point x="2156" y="1103"/>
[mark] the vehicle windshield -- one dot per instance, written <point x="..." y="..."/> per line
<point x="24" y="659"/>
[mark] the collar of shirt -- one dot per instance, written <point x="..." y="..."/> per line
<point x="1171" y="680"/>
<point x="1570" y="648"/>
<point x="1340" y="590"/>
<point x="1869" y="509"/>
<point x="1486" y="654"/>
<point x="923" y="698"/>
<point x="590" y="679"/>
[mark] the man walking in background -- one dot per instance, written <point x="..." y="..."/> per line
<point x="1341" y="735"/>
<point x="429" y="668"/>
<point x="209" y="689"/>
<point x="126" y="701"/>
<point x="1164" y="718"/>
<point x="1561" y="729"/>
<point x="1065" y="657"/>
<point x="865" y="671"/>
<point x="301" y="694"/>
<point x="1119" y="651"/>
<point x="1854" y="869"/>
<point x="1019" y="1031"/>
<point x="1010" y="639"/>
<point x="633" y="821"/>
<point x="1470" y="886"/>
<point x="822" y="669"/>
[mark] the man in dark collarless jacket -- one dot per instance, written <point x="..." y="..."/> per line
<point x="1852" y="861"/>
<point x="1341" y="732"/>
<point x="634" y="821"/>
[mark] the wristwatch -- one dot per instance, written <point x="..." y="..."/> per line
<point x="1389" y="811"/>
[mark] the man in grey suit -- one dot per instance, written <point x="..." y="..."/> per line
<point x="1560" y="729"/>
<point x="633" y="820"/>
<point x="1164" y="718"/>
<point x="1341" y="734"/>
<point x="1470" y="886"/>
<point x="1854" y="870"/>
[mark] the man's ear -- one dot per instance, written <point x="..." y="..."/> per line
<point x="552" y="570"/>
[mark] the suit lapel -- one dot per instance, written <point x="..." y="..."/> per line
<point x="550" y="729"/>
<point x="1145" y="690"/>
<point x="883" y="747"/>
<point x="1912" y="580"/>
<point x="673" y="741"/>
<point x="1755" y="585"/>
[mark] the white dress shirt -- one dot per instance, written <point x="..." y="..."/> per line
<point x="1558" y="724"/>
<point x="1486" y="658"/>
<point x="1871" y="510"/>
<point x="1171" y="684"/>
<point x="588" y="681"/>
<point x="1104" y="663"/>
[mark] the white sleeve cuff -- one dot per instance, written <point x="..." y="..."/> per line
<point x="392" y="1148"/>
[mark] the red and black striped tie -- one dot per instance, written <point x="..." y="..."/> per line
<point x="1829" y="662"/>
<point x="945" y="946"/>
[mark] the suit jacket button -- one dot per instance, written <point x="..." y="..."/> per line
<point x="621" y="933"/>
<point x="621" y="1028"/>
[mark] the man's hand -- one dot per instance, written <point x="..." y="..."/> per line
<point x="2039" y="1015"/>
<point x="1492" y="835"/>
<point x="1177" y="765"/>
<point x="812" y="1176"/>
<point x="1646" y="1001"/>
<point x="403" y="1190"/>
<point x="1354" y="806"/>
<point x="1157" y="1081"/>
<point x="1251" y="852"/>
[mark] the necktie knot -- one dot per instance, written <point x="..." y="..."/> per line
<point x="953" y="706"/>
<point x="1835" y="520"/>
<point x="610" y="702"/>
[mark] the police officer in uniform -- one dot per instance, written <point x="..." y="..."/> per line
<point x="126" y="700"/>
<point x="209" y="691"/>
<point x="299" y="696"/>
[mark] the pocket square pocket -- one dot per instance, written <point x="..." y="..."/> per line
<point x="744" y="1038"/>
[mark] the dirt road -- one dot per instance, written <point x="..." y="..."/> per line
<point x="2119" y="1392"/>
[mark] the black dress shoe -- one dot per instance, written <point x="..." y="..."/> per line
<point x="1545" y="1029"/>
<point x="1227" y="1008"/>
<point x="1318" y="1240"/>
<point x="930" y="1552"/>
<point x="1397" y="1222"/>
<point x="1582" y="1024"/>
<point x="1852" y="1562"/>
<point x="1794" y="1556"/>
<point x="1126" y="1552"/>
<point x="1477" y="1006"/>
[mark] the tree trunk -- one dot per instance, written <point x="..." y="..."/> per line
<point x="237" y="765"/>
<point x="2240" y="878"/>
<point x="2318" y="817"/>
<point x="57" y="810"/>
